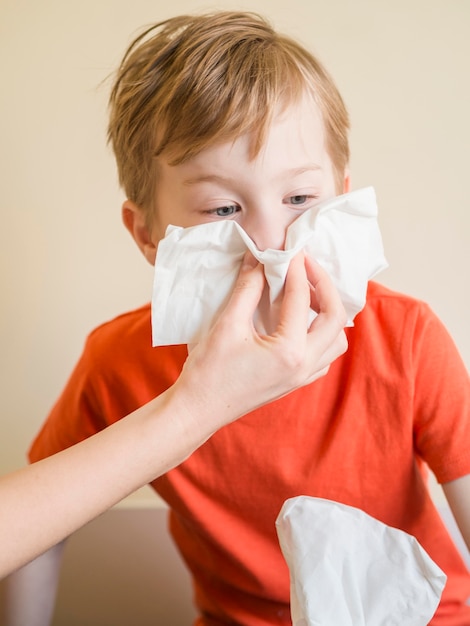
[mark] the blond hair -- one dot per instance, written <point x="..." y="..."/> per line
<point x="193" y="81"/>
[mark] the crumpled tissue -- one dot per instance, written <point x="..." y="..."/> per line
<point x="349" y="569"/>
<point x="196" y="268"/>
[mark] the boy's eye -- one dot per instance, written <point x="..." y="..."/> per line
<point x="226" y="211"/>
<point x="298" y="200"/>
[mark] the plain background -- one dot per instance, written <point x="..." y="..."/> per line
<point x="67" y="264"/>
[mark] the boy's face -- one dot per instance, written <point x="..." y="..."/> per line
<point x="292" y="173"/>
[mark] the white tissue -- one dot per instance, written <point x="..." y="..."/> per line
<point x="349" y="569"/>
<point x="196" y="267"/>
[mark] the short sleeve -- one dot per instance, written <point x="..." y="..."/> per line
<point x="118" y="372"/>
<point x="441" y="399"/>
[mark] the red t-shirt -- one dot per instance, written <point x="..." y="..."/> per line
<point x="398" y="400"/>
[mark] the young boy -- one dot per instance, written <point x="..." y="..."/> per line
<point x="218" y="117"/>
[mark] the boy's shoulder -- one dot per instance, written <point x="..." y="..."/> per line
<point x="377" y="291"/>
<point x="113" y="341"/>
<point x="128" y="326"/>
<point x="392" y="315"/>
<point x="122" y="347"/>
<point x="388" y="303"/>
<point x="398" y="321"/>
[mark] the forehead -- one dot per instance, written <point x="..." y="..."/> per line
<point x="294" y="144"/>
<point x="298" y="125"/>
<point x="251" y="116"/>
<point x="295" y="134"/>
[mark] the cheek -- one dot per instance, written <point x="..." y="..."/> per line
<point x="158" y="231"/>
<point x="162" y="217"/>
<point x="171" y="208"/>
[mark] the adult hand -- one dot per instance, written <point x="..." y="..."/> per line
<point x="235" y="369"/>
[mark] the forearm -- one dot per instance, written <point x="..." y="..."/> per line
<point x="62" y="492"/>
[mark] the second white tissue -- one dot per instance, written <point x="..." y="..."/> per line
<point x="349" y="569"/>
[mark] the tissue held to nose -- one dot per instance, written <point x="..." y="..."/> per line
<point x="196" y="268"/>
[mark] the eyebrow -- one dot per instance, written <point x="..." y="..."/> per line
<point x="207" y="178"/>
<point x="216" y="178"/>
<point x="296" y="171"/>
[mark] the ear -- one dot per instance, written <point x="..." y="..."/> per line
<point x="347" y="181"/>
<point x="136" y="223"/>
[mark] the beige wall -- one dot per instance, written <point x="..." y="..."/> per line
<point x="66" y="262"/>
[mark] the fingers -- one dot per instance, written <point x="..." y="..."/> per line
<point x="316" y="346"/>
<point x="324" y="295"/>
<point x="247" y="291"/>
<point x="294" y="312"/>
<point x="308" y="285"/>
<point x="327" y="330"/>
<point x="291" y="357"/>
<point x="337" y="347"/>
